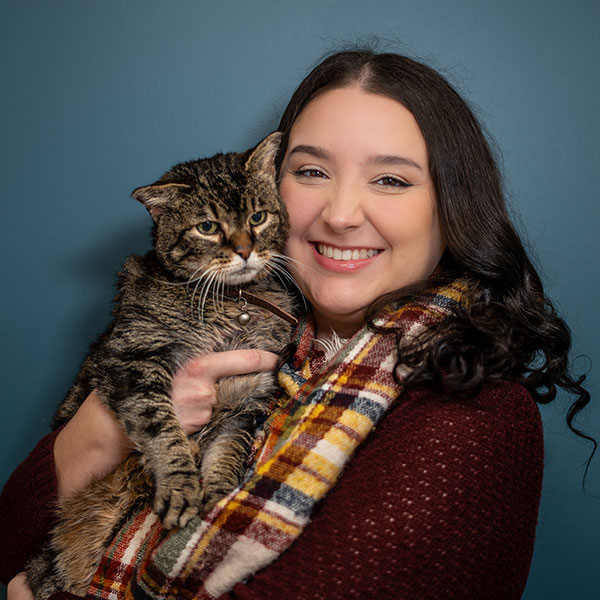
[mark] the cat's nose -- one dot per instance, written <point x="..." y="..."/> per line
<point x="241" y="244"/>
<point x="244" y="251"/>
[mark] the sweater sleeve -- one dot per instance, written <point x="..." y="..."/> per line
<point x="26" y="510"/>
<point x="26" y="507"/>
<point x="440" y="502"/>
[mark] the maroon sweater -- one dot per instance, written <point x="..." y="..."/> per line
<point x="440" y="502"/>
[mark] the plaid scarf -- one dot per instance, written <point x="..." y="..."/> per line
<point x="327" y="410"/>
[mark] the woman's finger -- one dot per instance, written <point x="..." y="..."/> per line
<point x="194" y="389"/>
<point x="232" y="362"/>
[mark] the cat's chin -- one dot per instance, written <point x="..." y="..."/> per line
<point x="244" y="276"/>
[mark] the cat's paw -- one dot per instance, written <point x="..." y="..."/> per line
<point x="210" y="496"/>
<point x="176" y="500"/>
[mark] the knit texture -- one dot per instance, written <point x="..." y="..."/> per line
<point x="24" y="521"/>
<point x="326" y="415"/>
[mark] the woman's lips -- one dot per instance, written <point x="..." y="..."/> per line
<point x="342" y="260"/>
<point x="345" y="253"/>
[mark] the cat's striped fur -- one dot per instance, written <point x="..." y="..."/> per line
<point x="218" y="222"/>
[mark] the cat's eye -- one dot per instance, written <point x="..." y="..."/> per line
<point x="208" y="227"/>
<point x="258" y="218"/>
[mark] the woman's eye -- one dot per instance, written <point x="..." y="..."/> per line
<point x="392" y="181"/>
<point x="208" y="227"/>
<point x="310" y="172"/>
<point x="258" y="218"/>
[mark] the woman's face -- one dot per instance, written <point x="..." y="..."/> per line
<point x="363" y="216"/>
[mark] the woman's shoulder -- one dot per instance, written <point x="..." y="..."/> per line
<point x="491" y="392"/>
<point x="499" y="403"/>
<point x="498" y="430"/>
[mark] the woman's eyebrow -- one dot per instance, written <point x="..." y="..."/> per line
<point x="390" y="159"/>
<point x="315" y="151"/>
<point x="381" y="159"/>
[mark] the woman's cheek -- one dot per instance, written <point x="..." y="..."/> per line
<point x="298" y="205"/>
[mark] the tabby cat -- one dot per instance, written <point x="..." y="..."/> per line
<point x="219" y="225"/>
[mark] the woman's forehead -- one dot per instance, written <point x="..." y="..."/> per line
<point x="346" y="119"/>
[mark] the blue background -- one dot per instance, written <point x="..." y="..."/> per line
<point x="99" y="97"/>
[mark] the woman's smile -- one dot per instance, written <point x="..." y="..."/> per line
<point x="342" y="260"/>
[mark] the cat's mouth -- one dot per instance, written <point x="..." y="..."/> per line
<point x="244" y="270"/>
<point x="243" y="275"/>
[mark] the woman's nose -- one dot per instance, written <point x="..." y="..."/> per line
<point x="343" y="210"/>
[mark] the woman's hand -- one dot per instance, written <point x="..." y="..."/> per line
<point x="93" y="442"/>
<point x="90" y="445"/>
<point x="195" y="385"/>
<point x="18" y="588"/>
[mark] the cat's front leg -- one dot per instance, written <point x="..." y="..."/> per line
<point x="140" y="398"/>
<point x="225" y="456"/>
<point x="176" y="481"/>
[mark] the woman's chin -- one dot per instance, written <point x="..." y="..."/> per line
<point x="344" y="315"/>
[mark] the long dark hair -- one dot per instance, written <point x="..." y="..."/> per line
<point x="508" y="328"/>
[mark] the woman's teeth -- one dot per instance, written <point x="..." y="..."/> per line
<point x="338" y="254"/>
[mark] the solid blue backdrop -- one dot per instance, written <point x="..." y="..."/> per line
<point x="99" y="97"/>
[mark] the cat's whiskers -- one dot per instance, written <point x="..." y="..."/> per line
<point x="286" y="279"/>
<point x="194" y="279"/>
<point x="210" y="274"/>
<point x="283" y="265"/>
<point x="206" y="286"/>
<point x="191" y="280"/>
<point x="217" y="290"/>
<point x="224" y="284"/>
<point x="293" y="263"/>
<point x="213" y="286"/>
<point x="198" y="282"/>
<point x="283" y="276"/>
<point x="220" y="289"/>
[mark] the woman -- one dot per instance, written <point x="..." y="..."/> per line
<point x="427" y="321"/>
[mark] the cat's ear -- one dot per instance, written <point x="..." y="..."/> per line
<point x="158" y="195"/>
<point x="263" y="156"/>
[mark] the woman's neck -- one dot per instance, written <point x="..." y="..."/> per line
<point x="327" y="328"/>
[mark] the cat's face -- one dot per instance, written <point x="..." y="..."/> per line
<point x="219" y="218"/>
